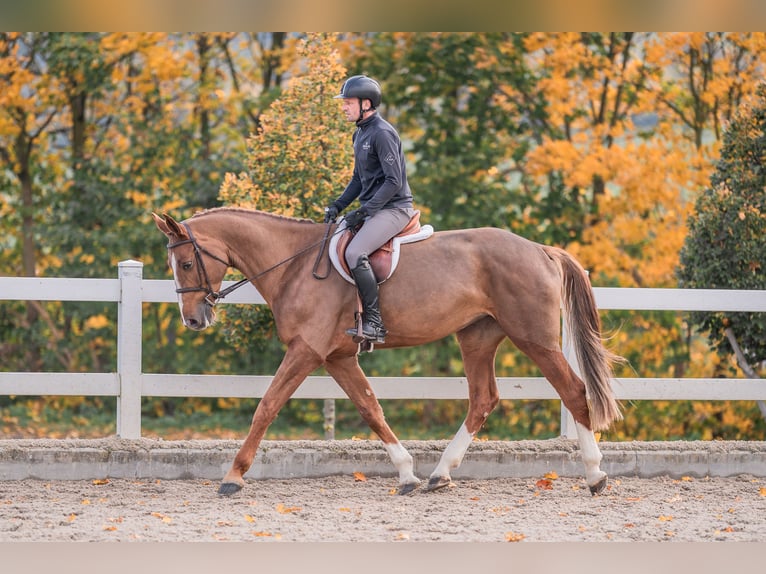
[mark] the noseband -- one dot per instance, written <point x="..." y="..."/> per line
<point x="212" y="296"/>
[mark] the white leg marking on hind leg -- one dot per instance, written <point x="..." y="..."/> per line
<point x="402" y="461"/>
<point x="591" y="455"/>
<point x="454" y="453"/>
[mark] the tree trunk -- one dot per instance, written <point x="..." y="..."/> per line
<point x="744" y="365"/>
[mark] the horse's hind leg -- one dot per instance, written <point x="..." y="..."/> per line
<point x="571" y="389"/>
<point x="349" y="375"/>
<point x="478" y="345"/>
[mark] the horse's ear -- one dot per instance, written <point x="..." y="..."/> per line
<point x="168" y="225"/>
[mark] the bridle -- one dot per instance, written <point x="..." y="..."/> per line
<point x="211" y="296"/>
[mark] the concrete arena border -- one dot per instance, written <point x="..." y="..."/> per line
<point x="84" y="459"/>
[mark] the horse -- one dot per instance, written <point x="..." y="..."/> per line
<point x="482" y="284"/>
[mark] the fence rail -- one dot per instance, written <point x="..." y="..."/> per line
<point x="129" y="384"/>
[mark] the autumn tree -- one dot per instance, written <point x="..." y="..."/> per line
<point x="298" y="160"/>
<point x="97" y="131"/>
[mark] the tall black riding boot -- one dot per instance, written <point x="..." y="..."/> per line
<point x="367" y="285"/>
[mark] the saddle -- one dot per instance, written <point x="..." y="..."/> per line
<point x="383" y="260"/>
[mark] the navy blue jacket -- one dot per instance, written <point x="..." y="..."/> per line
<point x="380" y="179"/>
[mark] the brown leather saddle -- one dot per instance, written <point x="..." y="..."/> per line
<point x="384" y="259"/>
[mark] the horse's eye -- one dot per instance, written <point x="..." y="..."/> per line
<point x="187" y="265"/>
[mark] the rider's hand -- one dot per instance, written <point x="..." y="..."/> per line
<point x="355" y="218"/>
<point x="330" y="213"/>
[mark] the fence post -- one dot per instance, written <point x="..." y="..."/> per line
<point x="129" y="323"/>
<point x="568" y="429"/>
<point x="329" y="419"/>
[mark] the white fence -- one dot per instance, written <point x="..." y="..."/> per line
<point x="129" y="383"/>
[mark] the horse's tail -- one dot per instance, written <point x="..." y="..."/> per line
<point x="584" y="325"/>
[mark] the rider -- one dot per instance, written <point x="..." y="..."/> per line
<point x="380" y="183"/>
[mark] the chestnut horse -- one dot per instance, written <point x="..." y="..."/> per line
<point x="482" y="284"/>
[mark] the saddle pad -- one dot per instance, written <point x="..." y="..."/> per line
<point x="425" y="232"/>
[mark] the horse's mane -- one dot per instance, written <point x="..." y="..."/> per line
<point x="251" y="212"/>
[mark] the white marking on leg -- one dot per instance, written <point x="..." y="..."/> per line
<point x="454" y="453"/>
<point x="173" y="266"/>
<point x="402" y="461"/>
<point x="591" y="455"/>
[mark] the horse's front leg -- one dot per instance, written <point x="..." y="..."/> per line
<point x="299" y="361"/>
<point x="351" y="378"/>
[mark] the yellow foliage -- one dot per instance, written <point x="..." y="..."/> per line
<point x="96" y="322"/>
<point x="300" y="157"/>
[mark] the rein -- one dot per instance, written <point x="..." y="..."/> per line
<point x="212" y="296"/>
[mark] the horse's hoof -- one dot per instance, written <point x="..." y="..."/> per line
<point x="438" y="482"/>
<point x="407" y="488"/>
<point x="229" y="488"/>
<point x="599" y="487"/>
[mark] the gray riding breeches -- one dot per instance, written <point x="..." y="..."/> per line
<point x="376" y="231"/>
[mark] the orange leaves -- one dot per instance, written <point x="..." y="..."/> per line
<point x="514" y="536"/>
<point x="359" y="477"/>
<point x="164" y="518"/>
<point x="282" y="509"/>
<point x="762" y="491"/>
<point x="546" y="483"/>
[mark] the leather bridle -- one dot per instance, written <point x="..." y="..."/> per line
<point x="212" y="296"/>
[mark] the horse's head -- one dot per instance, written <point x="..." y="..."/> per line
<point x="197" y="270"/>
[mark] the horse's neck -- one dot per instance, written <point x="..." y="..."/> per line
<point x="259" y="241"/>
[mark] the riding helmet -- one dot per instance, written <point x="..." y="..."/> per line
<point x="361" y="87"/>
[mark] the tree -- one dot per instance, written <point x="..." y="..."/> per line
<point x="298" y="160"/>
<point x="300" y="157"/>
<point x="725" y="248"/>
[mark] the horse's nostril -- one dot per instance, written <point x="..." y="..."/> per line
<point x="193" y="323"/>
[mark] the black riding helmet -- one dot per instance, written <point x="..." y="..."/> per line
<point x="363" y="88"/>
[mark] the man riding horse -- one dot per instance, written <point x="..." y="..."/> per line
<point x="380" y="183"/>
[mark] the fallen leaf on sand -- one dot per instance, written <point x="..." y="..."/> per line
<point x="282" y="509"/>
<point x="165" y="519"/>
<point x="514" y="536"/>
<point x="544" y="484"/>
<point x="359" y="477"/>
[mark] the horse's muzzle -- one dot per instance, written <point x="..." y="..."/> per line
<point x="202" y="317"/>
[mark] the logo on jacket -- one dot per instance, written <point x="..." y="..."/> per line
<point x="390" y="159"/>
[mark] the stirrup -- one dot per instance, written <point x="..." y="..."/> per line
<point x="373" y="334"/>
<point x="358" y="335"/>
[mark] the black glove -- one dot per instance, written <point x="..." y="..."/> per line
<point x="331" y="213"/>
<point x="355" y="218"/>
